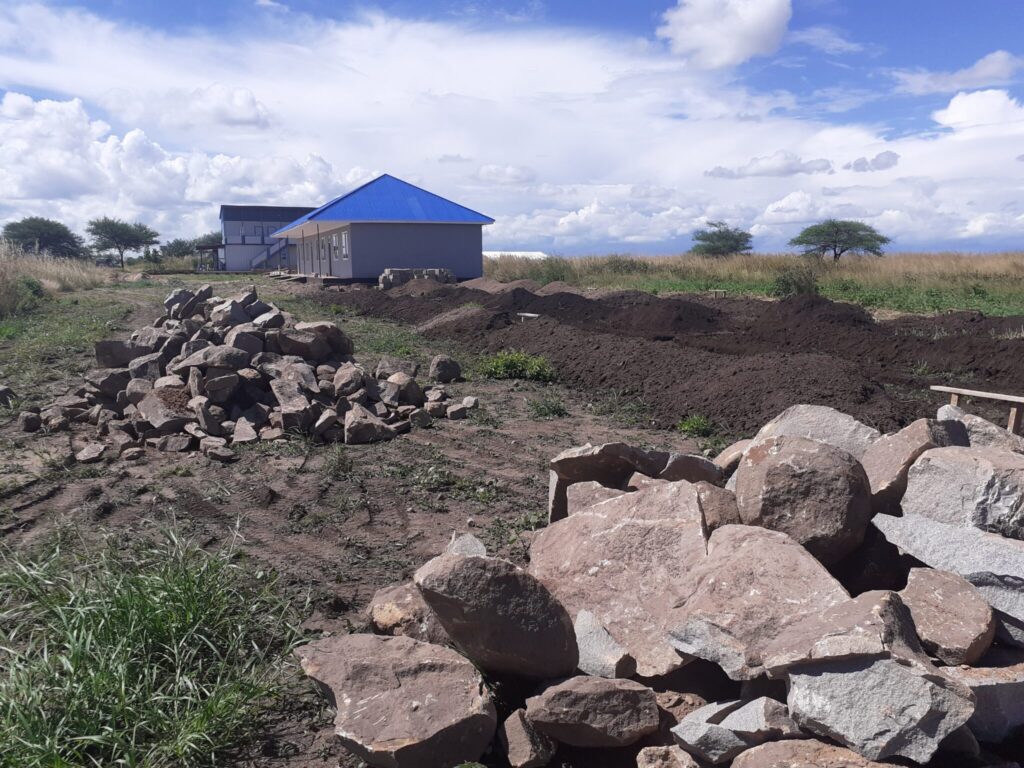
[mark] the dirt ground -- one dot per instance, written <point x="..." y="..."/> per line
<point x="336" y="523"/>
<point x="735" y="361"/>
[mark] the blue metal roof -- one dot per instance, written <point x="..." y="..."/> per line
<point x="388" y="200"/>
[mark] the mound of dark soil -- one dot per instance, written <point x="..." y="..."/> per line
<point x="738" y="362"/>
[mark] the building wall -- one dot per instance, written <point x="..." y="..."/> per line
<point x="376" y="247"/>
<point x="330" y="255"/>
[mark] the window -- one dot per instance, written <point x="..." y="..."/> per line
<point x="344" y="244"/>
<point x="334" y="246"/>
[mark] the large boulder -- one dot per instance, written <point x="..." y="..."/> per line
<point x="981" y="432"/>
<point x="402" y="389"/>
<point x="502" y="618"/>
<point x="998" y="686"/>
<point x="229" y="313"/>
<point x="888" y="459"/>
<point x="990" y="562"/>
<point x="824" y="424"/>
<point x="814" y="492"/>
<point x="980" y="487"/>
<point x="752" y="585"/>
<point x="594" y="712"/>
<point x="664" y="757"/>
<point x="953" y="620"/>
<point x="718" y="506"/>
<point x="729" y="458"/>
<point x="610" y="464"/>
<point x="873" y="625"/>
<point x="109" y="381"/>
<point x="335" y="338"/>
<point x="113" y="353"/>
<point x="217" y="356"/>
<point x="296" y="410"/>
<point x="401" y="703"/>
<point x="627" y="561"/>
<point x="865" y="650"/>
<point x="803" y="753"/>
<point x="444" y="369"/>
<point x="305" y="344"/>
<point x="361" y="426"/>
<point x="881" y="707"/>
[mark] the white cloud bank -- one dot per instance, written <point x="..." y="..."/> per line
<point x="573" y="141"/>
<point x="997" y="68"/>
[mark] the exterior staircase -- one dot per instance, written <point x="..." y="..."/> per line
<point x="278" y="248"/>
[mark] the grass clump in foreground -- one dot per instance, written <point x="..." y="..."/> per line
<point x="158" y="655"/>
<point x="697" y="426"/>
<point x="546" y="408"/>
<point x="515" y="364"/>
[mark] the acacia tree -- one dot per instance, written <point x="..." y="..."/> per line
<point x="35" y="233"/>
<point x="719" y="239"/>
<point x="838" y="237"/>
<point x="116" y="235"/>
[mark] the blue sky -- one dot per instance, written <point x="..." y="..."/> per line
<point x="582" y="127"/>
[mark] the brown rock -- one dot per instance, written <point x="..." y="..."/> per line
<point x="691" y="467"/>
<point x="664" y="757"/>
<point x="500" y="616"/>
<point x="244" y="432"/>
<point x="610" y="464"/>
<point x="361" y="426"/>
<point x="389" y="365"/>
<point x="718" y="506"/>
<point x="888" y="459"/>
<point x="401" y="703"/>
<point x="524" y="745"/>
<point x="457" y="412"/>
<point x="627" y="561"/>
<point x="444" y="369"/>
<point x="872" y="625"/>
<point x="149" y="366"/>
<point x="91" y="453"/>
<point x="600" y="654"/>
<point x="729" y="458"/>
<point x="109" y="381"/>
<point x="217" y="356"/>
<point x="400" y="610"/>
<point x="112" y="353"/>
<point x="166" y="410"/>
<point x="305" y="344"/>
<point x="335" y="338"/>
<point x="823" y="424"/>
<point x="585" y="495"/>
<point x="403" y="389"/>
<point x="815" y="493"/>
<point x="804" y="753"/>
<point x="29" y="421"/>
<point x="595" y="712"/>
<point x="349" y="378"/>
<point x="295" y="408"/>
<point x="953" y="620"/>
<point x="753" y="584"/>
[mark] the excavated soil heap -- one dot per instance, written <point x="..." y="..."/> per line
<point x="736" y="361"/>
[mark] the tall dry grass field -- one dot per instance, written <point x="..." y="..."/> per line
<point x="25" y="278"/>
<point x="912" y="282"/>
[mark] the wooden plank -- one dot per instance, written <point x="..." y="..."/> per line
<point x="977" y="393"/>
<point x="1013" y="424"/>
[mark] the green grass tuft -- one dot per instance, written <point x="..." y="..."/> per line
<point x="515" y="364"/>
<point x="547" y="407"/>
<point x="156" y="655"/>
<point x="696" y="425"/>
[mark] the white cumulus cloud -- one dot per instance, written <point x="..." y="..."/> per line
<point x="723" y="33"/>
<point x="981" y="109"/>
<point x="883" y="161"/>
<point x="997" y="68"/>
<point x="780" y="163"/>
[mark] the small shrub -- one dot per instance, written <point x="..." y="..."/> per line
<point x="515" y="364"/>
<point x="796" y="281"/>
<point x="697" y="426"/>
<point x="547" y="407"/>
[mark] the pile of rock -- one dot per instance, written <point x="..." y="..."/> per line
<point x="392" y="278"/>
<point x="213" y="373"/>
<point x="852" y="597"/>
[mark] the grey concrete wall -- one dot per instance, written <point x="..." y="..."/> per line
<point x="458" y="247"/>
